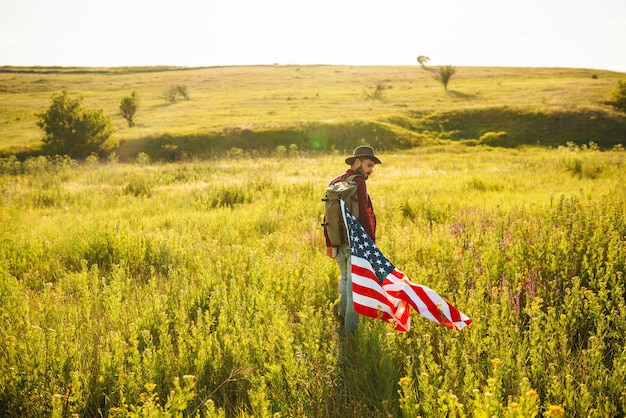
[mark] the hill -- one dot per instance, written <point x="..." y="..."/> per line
<point x="255" y="109"/>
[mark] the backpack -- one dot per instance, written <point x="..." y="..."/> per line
<point x="333" y="219"/>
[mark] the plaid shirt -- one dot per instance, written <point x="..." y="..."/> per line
<point x="367" y="217"/>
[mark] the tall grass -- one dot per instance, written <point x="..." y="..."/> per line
<point x="203" y="288"/>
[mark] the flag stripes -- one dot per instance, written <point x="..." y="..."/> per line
<point x="382" y="291"/>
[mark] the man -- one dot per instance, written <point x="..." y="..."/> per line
<point x="362" y="163"/>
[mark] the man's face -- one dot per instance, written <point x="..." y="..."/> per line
<point x="364" y="167"/>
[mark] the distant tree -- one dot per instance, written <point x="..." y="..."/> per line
<point x="422" y="60"/>
<point x="71" y="129"/>
<point x="618" y="96"/>
<point x="128" y="108"/>
<point x="183" y="91"/>
<point x="171" y="94"/>
<point x="444" y="74"/>
<point x="377" y="92"/>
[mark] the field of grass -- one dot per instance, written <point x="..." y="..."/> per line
<point x="187" y="275"/>
<point x="319" y="107"/>
<point x="202" y="288"/>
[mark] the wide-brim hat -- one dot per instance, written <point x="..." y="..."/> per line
<point x="363" y="151"/>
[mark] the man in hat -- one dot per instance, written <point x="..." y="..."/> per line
<point x="362" y="164"/>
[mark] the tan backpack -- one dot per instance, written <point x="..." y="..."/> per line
<point x="333" y="219"/>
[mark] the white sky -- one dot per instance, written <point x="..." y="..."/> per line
<point x="528" y="33"/>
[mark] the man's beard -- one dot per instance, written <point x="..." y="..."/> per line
<point x="360" y="171"/>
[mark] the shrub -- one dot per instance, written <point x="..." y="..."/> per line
<point x="172" y="93"/>
<point x="143" y="159"/>
<point x="377" y="92"/>
<point x="128" y="108"/>
<point x="73" y="130"/>
<point x="618" y="96"/>
<point x="444" y="74"/>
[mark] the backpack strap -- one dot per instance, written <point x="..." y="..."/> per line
<point x="349" y="178"/>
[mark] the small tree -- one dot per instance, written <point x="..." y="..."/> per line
<point x="377" y="92"/>
<point x="183" y="91"/>
<point x="73" y="130"/>
<point x="128" y="108"/>
<point x="444" y="74"/>
<point x="618" y="96"/>
<point x="173" y="92"/>
<point x="422" y="60"/>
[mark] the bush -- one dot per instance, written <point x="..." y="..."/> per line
<point x="171" y="94"/>
<point x="128" y="108"/>
<point x="73" y="130"/>
<point x="377" y="92"/>
<point x="444" y="74"/>
<point x="618" y="96"/>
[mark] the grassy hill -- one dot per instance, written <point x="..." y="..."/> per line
<point x="258" y="108"/>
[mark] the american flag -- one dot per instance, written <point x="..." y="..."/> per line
<point x="382" y="291"/>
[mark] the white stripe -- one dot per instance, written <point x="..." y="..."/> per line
<point x="369" y="302"/>
<point x="422" y="307"/>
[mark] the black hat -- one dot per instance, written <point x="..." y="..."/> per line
<point x="364" y="151"/>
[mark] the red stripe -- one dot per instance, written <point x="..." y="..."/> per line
<point x="371" y="293"/>
<point x="455" y="315"/>
<point x="377" y="313"/>
<point x="397" y="273"/>
<point x="371" y="312"/>
<point x="364" y="272"/>
<point x="432" y="307"/>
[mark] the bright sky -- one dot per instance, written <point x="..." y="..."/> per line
<point x="528" y="33"/>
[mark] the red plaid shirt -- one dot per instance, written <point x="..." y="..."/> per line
<point x="367" y="217"/>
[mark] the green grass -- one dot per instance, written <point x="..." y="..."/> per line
<point x="200" y="286"/>
<point x="261" y="107"/>
<point x="203" y="288"/>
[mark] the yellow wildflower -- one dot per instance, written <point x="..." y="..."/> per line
<point x="531" y="393"/>
<point x="555" y="411"/>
